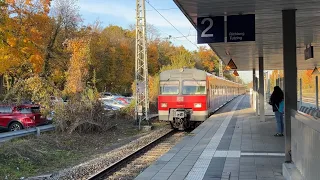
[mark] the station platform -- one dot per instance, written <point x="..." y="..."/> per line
<point x="232" y="144"/>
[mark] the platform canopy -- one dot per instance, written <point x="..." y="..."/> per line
<point x="268" y="30"/>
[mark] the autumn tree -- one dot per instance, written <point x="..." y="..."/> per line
<point x="24" y="30"/>
<point x="182" y="58"/>
<point x="153" y="58"/>
<point x="43" y="39"/>
<point x="114" y="59"/>
<point x="78" y="68"/>
<point x="207" y="60"/>
<point x="62" y="26"/>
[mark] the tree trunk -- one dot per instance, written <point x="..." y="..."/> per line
<point x="1" y="84"/>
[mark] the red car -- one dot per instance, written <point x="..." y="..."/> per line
<point x="19" y="117"/>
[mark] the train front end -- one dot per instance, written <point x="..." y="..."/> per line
<point x="183" y="97"/>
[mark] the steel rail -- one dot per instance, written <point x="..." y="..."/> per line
<point x="117" y="165"/>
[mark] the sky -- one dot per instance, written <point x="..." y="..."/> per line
<point x="122" y="13"/>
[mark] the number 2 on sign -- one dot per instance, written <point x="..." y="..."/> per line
<point x="204" y="33"/>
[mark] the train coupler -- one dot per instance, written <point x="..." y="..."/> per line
<point x="180" y="118"/>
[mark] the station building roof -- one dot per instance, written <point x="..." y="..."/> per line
<point x="268" y="30"/>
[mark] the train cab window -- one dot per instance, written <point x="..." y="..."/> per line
<point x="169" y="87"/>
<point x="194" y="87"/>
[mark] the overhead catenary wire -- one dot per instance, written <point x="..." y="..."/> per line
<point x="176" y="28"/>
<point x="170" y="23"/>
<point x="165" y="9"/>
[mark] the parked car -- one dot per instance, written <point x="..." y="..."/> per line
<point x="55" y="100"/>
<point x="106" y="95"/>
<point x="19" y="117"/>
<point x="109" y="107"/>
<point x="113" y="102"/>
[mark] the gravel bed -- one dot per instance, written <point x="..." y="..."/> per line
<point x="135" y="167"/>
<point x="84" y="170"/>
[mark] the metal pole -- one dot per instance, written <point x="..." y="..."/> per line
<point x="261" y="90"/>
<point x="220" y="68"/>
<point x="278" y="78"/>
<point x="141" y="64"/>
<point x="300" y="92"/>
<point x="275" y="81"/>
<point x="145" y="62"/>
<point x="265" y="87"/>
<point x="317" y="93"/>
<point x="269" y="86"/>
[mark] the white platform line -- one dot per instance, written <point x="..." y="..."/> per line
<point x="200" y="167"/>
<point x="239" y="154"/>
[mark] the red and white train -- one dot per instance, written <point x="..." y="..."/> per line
<point x="188" y="96"/>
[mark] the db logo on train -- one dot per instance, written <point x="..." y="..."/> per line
<point x="180" y="99"/>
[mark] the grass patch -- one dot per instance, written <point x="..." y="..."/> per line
<point x="32" y="156"/>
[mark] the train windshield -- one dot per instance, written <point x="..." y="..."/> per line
<point x="194" y="87"/>
<point x="169" y="87"/>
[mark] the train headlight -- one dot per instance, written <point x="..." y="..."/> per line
<point x="197" y="105"/>
<point x="164" y="105"/>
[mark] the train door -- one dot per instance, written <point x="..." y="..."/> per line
<point x="217" y="97"/>
<point x="208" y="94"/>
<point x="213" y="97"/>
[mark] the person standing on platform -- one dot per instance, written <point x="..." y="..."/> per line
<point x="276" y="101"/>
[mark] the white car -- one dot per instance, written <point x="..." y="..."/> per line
<point x="112" y="102"/>
<point x="55" y="100"/>
<point x="106" y="95"/>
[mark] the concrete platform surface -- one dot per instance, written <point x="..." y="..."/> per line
<point x="231" y="144"/>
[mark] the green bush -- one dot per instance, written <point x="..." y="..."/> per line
<point x="35" y="89"/>
<point x="84" y="113"/>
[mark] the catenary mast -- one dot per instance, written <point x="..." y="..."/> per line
<point x="141" y="65"/>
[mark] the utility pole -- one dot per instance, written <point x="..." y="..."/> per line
<point x="141" y="65"/>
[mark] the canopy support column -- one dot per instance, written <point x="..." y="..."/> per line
<point x="261" y="90"/>
<point x="290" y="73"/>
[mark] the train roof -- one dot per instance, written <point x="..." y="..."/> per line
<point x="176" y="74"/>
<point x="221" y="78"/>
<point x="197" y="74"/>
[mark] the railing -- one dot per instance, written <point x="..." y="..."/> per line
<point x="305" y="144"/>
<point x="24" y="132"/>
<point x="312" y="111"/>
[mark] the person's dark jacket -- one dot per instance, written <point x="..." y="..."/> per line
<point x="276" y="98"/>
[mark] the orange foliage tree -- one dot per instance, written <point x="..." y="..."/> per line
<point x="24" y="31"/>
<point x="153" y="58"/>
<point x="207" y="58"/>
<point x="78" y="68"/>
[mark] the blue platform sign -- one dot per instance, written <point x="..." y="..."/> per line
<point x="241" y="28"/>
<point x="210" y="29"/>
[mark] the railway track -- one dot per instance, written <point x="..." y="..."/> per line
<point x="130" y="166"/>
